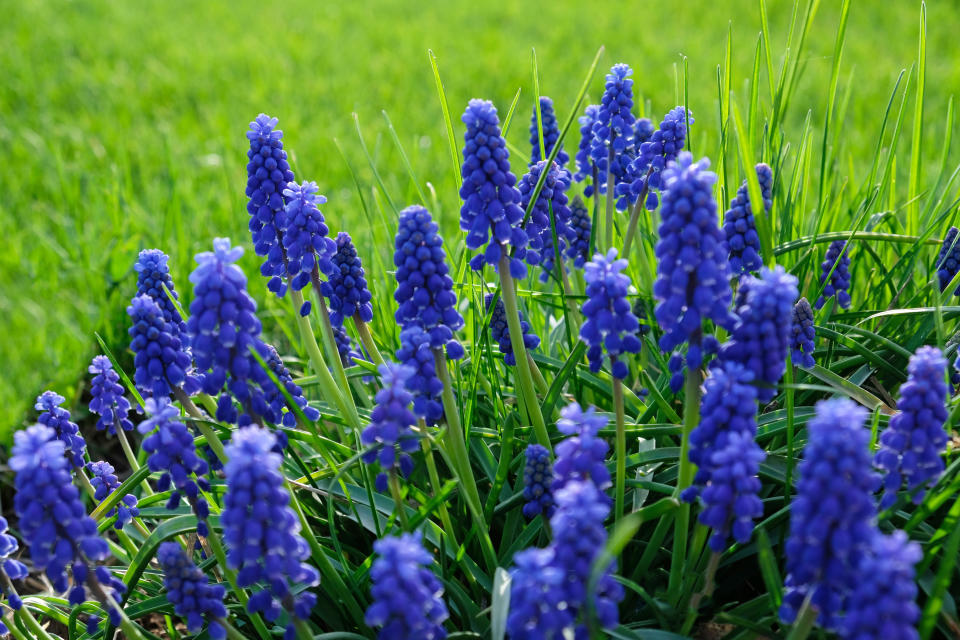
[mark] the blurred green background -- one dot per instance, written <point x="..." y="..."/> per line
<point x="122" y="124"/>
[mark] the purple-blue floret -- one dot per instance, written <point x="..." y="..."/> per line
<point x="390" y="438"/>
<point x="838" y="283"/>
<point x="610" y="325"/>
<point x="551" y="134"/>
<point x="740" y="226"/>
<point x="804" y="335"/>
<point x="537" y="481"/>
<point x="305" y="238"/>
<point x="65" y="430"/>
<point x="193" y="597"/>
<point x="346" y="287"/>
<point x="550" y="215"/>
<point x="106" y="397"/>
<point x="500" y="332"/>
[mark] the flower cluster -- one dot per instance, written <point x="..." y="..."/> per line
<point x="104" y="483"/>
<point x="407" y="597"/>
<point x="740" y="226"/>
<point x="549" y="590"/>
<point x="268" y="174"/>
<point x="948" y="261"/>
<point x="550" y="215"/>
<point x="390" y="437"/>
<point x="106" y="397"/>
<point x="613" y="130"/>
<point x="12" y="568"/>
<point x="610" y="324"/>
<point x="304" y="239"/>
<point x="347" y="287"/>
<point x="537" y="478"/>
<point x="835" y="280"/>
<point x="832" y="515"/>
<point x="500" y="332"/>
<point x="578" y="245"/>
<point x="275" y="398"/>
<point x="581" y="456"/>
<point x="722" y="447"/>
<point x="490" y="196"/>
<point x="645" y="172"/>
<point x="345" y="347"/>
<point x="57" y="418"/>
<point x="174" y="456"/>
<point x="585" y="164"/>
<point x="193" y="597"/>
<point x="911" y="446"/>
<point x="153" y="275"/>
<point x="761" y="336"/>
<point x="643" y="130"/>
<point x="424" y="292"/>
<point x="551" y="133"/>
<point x="692" y="278"/>
<point x="415" y="354"/>
<point x="883" y="602"/>
<point x="261" y="530"/>
<point x="804" y="334"/>
<point x="161" y="362"/>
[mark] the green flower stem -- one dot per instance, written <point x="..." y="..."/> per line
<point x="621" y="448"/>
<point x="327" y="385"/>
<point x="201" y="423"/>
<point x="435" y="483"/>
<point x="691" y="416"/>
<point x="231" y="577"/>
<point x="394" y="483"/>
<point x="302" y="627"/>
<point x="538" y="380"/>
<point x="366" y="339"/>
<point x="330" y="346"/>
<point x="695" y="599"/>
<point x="232" y="632"/>
<point x="208" y="403"/>
<point x="608" y="220"/>
<point x="456" y="447"/>
<point x="524" y="377"/>
<point x="803" y="625"/>
<point x="132" y="460"/>
<point x="31" y="623"/>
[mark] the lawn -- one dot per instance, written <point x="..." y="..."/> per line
<point x="123" y="123"/>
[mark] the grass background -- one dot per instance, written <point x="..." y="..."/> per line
<point x="122" y="124"/>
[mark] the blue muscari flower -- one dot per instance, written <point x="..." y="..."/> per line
<point x="839" y="283"/>
<point x="491" y="201"/>
<point x="740" y="226"/>
<point x="426" y="387"/>
<point x="692" y="274"/>
<point x="276" y="399"/>
<point x="948" y="261"/>
<point x="722" y="447"/>
<point x="390" y="437"/>
<point x="305" y="238"/>
<point x="538" y="609"/>
<point x="578" y="245"/>
<point x="911" y="446"/>
<point x="407" y="596"/>
<point x="153" y="274"/>
<point x="193" y="597"/>
<point x="551" y="133"/>
<point x="580" y="457"/>
<point x="173" y="455"/>
<point x="613" y="129"/>
<point x="500" y="332"/>
<point x="585" y="164"/>
<point x="883" y="601"/>
<point x="804" y="334"/>
<point x="268" y="174"/>
<point x="53" y="521"/>
<point x="424" y="292"/>
<point x="645" y="172"/>
<point x="610" y="325"/>
<point x="345" y="347"/>
<point x="57" y="418"/>
<point x="643" y="130"/>
<point x="261" y="530"/>
<point x="347" y="287"/>
<point x="537" y="479"/>
<point x="104" y="483"/>
<point x="832" y="516"/>
<point x="551" y="204"/>
<point x="761" y="335"/>
<point x="12" y="568"/>
<point x="160" y="358"/>
<point x="106" y="397"/>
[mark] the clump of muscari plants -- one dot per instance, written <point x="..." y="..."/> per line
<point x="645" y="430"/>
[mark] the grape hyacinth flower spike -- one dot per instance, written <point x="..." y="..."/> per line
<point x="193" y="597"/>
<point x="537" y="478"/>
<point x="582" y="455"/>
<point x="613" y="130"/>
<point x="804" y="335"/>
<point x="416" y="354"/>
<point x="305" y="242"/>
<point x="585" y="164"/>
<point x="268" y="174"/>
<point x="948" y="261"/>
<point x="551" y="133"/>
<point x="154" y="280"/>
<point x="407" y="596"/>
<point x="424" y="294"/>
<point x="491" y="213"/>
<point x="262" y="531"/>
<point x="346" y="287"/>
<point x="610" y="325"/>
<point x="578" y="248"/>
<point x="65" y="430"/>
<point x="883" y="602"/>
<point x="104" y="483"/>
<point x="832" y="516"/>
<point x="106" y="397"/>
<point x="838" y="283"/>
<point x="550" y="215"/>
<point x="390" y="437"/>
<point x="11" y="569"/>
<point x="500" y="334"/>
<point x="692" y="274"/>
<point x="740" y="226"/>
<point x="645" y="172"/>
<point x="913" y="443"/>
<point x="160" y="358"/>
